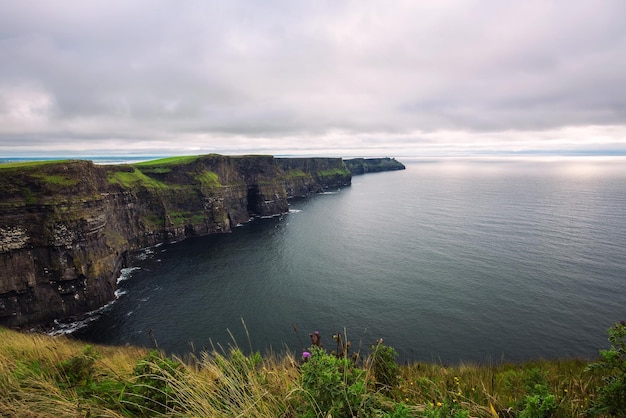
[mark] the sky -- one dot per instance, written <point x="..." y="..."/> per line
<point x="321" y="77"/>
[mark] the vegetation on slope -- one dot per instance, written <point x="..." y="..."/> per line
<point x="134" y="179"/>
<point x="43" y="376"/>
<point x="334" y="172"/>
<point x="209" y="179"/>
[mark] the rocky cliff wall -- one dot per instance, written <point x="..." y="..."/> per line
<point x="66" y="227"/>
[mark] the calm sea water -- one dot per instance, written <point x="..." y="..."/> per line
<point x="447" y="261"/>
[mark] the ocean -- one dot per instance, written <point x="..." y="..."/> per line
<point x="452" y="260"/>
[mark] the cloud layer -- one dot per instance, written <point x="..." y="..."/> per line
<point x="324" y="77"/>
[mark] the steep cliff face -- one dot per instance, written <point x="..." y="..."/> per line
<point x="66" y="227"/>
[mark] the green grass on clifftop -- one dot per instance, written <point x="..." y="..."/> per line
<point x="30" y="164"/>
<point x="185" y="159"/>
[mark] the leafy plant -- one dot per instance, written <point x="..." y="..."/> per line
<point x="538" y="401"/>
<point x="333" y="385"/>
<point x="612" y="365"/>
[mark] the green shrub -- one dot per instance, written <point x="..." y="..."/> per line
<point x="538" y="401"/>
<point x="333" y="385"/>
<point x="611" y="399"/>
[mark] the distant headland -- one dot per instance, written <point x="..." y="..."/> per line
<point x="372" y="165"/>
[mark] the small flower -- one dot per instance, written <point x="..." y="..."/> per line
<point x="439" y="404"/>
<point x="406" y="399"/>
<point x="306" y="354"/>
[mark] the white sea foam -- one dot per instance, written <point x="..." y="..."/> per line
<point x="120" y="292"/>
<point x="146" y="253"/>
<point x="64" y="328"/>
<point x="125" y="273"/>
<point x="242" y="224"/>
<point x="295" y="210"/>
<point x="276" y="215"/>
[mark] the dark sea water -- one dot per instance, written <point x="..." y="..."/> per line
<point x="455" y="260"/>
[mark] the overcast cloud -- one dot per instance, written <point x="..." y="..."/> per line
<point x="344" y="78"/>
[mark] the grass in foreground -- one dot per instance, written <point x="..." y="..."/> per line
<point x="44" y="376"/>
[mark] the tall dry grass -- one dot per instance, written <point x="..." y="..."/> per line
<point x="31" y="379"/>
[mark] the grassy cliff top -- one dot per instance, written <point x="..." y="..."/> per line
<point x="168" y="161"/>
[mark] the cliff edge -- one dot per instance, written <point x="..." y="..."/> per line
<point x="66" y="227"/>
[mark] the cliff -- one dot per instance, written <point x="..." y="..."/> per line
<point x="371" y="165"/>
<point x="66" y="227"/>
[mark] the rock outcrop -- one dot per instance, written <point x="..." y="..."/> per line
<point x="66" y="227"/>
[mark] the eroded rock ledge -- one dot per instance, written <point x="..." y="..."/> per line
<point x="66" y="227"/>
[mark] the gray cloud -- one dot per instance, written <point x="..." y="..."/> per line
<point x="288" y="75"/>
